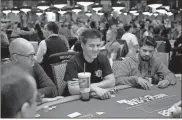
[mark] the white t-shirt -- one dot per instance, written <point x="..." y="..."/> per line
<point x="130" y="39"/>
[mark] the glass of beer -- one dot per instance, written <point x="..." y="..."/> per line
<point x="84" y="83"/>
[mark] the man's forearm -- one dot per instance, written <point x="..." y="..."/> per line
<point x="105" y="83"/>
<point x="49" y="92"/>
<point x="132" y="81"/>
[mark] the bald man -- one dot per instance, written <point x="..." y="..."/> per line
<point x="22" y="51"/>
<point x="18" y="92"/>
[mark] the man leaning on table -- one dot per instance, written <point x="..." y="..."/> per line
<point x="98" y="65"/>
<point x="139" y="68"/>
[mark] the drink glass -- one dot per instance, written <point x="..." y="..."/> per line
<point x="84" y="83"/>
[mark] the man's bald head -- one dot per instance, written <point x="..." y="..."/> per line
<point x="23" y="51"/>
<point x="21" y="46"/>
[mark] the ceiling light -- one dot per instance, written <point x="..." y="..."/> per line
<point x="6" y="10"/>
<point x="60" y="5"/>
<point x="85" y="4"/>
<point x="25" y="9"/>
<point x="61" y="12"/>
<point x="169" y="13"/>
<point x="15" y="10"/>
<point x="77" y="9"/>
<point x="43" y="5"/>
<point x="88" y="14"/>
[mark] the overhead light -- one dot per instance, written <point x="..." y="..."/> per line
<point x="149" y="14"/>
<point x="145" y="13"/>
<point x="6" y="10"/>
<point x="97" y="7"/>
<point x="155" y="14"/>
<point x="169" y="13"/>
<point x="118" y="7"/>
<point x="100" y="13"/>
<point x="136" y="14"/>
<point x="15" y="10"/>
<point x="161" y="10"/>
<point x="167" y="7"/>
<point x="60" y="5"/>
<point x="77" y="9"/>
<point x="39" y="13"/>
<point x="125" y="13"/>
<point x="43" y="5"/>
<point x="133" y="10"/>
<point x="25" y="9"/>
<point x="61" y="12"/>
<point x="88" y="14"/>
<point x="154" y="3"/>
<point x="85" y="4"/>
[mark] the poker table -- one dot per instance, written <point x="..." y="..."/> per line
<point x="112" y="109"/>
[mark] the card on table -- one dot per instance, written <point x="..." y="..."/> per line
<point x="75" y="114"/>
<point x="122" y="101"/>
<point x="164" y="113"/>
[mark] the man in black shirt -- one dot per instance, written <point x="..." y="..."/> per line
<point x="98" y="65"/>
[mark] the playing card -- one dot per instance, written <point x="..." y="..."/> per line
<point x="75" y="114"/>
<point x="122" y="101"/>
<point x="100" y="113"/>
<point x="164" y="113"/>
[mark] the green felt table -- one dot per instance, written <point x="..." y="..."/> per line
<point x="113" y="109"/>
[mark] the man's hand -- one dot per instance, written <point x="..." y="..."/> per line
<point x="175" y="110"/>
<point x="163" y="84"/>
<point x="102" y="93"/>
<point x="144" y="83"/>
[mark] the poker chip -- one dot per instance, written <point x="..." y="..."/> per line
<point x="53" y="107"/>
<point x="46" y="108"/>
<point x="37" y="115"/>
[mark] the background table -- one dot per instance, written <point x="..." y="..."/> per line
<point x="113" y="109"/>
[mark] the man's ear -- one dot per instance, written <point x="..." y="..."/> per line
<point x="14" y="57"/>
<point x="24" y="110"/>
<point x="82" y="44"/>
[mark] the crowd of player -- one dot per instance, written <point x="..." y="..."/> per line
<point x="26" y="75"/>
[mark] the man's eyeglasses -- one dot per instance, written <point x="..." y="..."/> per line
<point x="30" y="56"/>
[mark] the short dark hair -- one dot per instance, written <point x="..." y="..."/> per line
<point x="127" y="27"/>
<point x="52" y="26"/>
<point x="89" y="33"/>
<point x="15" y="90"/>
<point x="156" y="30"/>
<point x="148" y="41"/>
<point x="93" y="24"/>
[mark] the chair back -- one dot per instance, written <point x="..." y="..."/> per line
<point x="58" y="74"/>
<point x="161" y="46"/>
<point x="61" y="57"/>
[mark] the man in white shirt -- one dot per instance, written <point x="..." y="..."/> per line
<point x="130" y="39"/>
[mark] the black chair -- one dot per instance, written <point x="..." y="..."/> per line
<point x="57" y="58"/>
<point x="5" y="52"/>
<point x="60" y="57"/>
<point x="58" y="70"/>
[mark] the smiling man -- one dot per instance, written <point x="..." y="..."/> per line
<point x="98" y="65"/>
<point x="137" y="69"/>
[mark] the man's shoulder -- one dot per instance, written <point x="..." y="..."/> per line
<point x="75" y="59"/>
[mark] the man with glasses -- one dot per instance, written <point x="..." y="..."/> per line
<point x="98" y="65"/>
<point x="18" y="92"/>
<point x="22" y="51"/>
